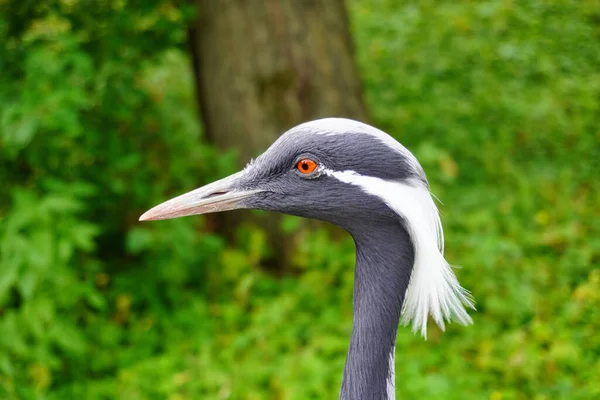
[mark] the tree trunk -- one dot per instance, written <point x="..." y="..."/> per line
<point x="264" y="66"/>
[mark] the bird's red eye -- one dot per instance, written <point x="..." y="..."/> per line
<point x="306" y="166"/>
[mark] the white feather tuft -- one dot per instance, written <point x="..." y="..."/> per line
<point x="433" y="288"/>
<point x="249" y="165"/>
<point x="391" y="378"/>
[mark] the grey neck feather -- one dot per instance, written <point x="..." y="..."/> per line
<point x="384" y="260"/>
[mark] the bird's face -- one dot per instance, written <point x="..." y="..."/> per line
<point x="321" y="169"/>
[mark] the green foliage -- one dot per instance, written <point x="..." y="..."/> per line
<point x="498" y="99"/>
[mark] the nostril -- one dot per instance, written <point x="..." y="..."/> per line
<point x="216" y="194"/>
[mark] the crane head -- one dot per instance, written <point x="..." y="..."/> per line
<point x="352" y="175"/>
<point x="310" y="171"/>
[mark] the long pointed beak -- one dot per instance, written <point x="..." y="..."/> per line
<point x="214" y="197"/>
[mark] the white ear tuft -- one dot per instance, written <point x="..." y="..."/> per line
<point x="433" y="287"/>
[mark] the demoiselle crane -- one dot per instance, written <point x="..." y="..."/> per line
<point x="359" y="178"/>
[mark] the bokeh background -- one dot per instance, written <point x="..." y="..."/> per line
<point x="101" y="118"/>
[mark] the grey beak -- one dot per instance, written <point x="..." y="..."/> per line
<point x="221" y="195"/>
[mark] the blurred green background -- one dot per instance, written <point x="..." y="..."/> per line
<point x="498" y="99"/>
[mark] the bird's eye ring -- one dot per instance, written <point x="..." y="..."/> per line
<point x="306" y="166"/>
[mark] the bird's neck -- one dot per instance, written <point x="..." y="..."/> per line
<point x="384" y="260"/>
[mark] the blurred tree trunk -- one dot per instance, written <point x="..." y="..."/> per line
<point x="264" y="66"/>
